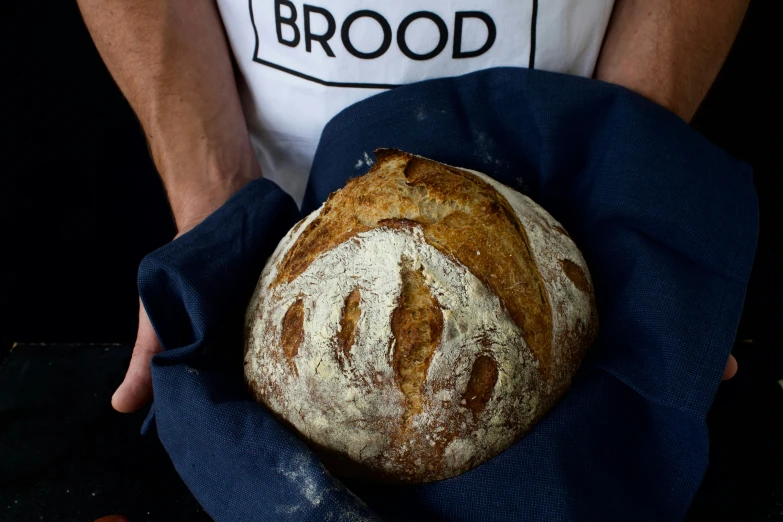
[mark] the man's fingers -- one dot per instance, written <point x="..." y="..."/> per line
<point x="136" y="390"/>
<point x="731" y="368"/>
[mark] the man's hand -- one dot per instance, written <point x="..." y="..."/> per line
<point x="731" y="369"/>
<point x="171" y="61"/>
<point x="136" y="390"/>
<point x="670" y="51"/>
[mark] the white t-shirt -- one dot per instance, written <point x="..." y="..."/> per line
<point x="302" y="63"/>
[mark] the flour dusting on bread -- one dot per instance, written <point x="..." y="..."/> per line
<point x="392" y="331"/>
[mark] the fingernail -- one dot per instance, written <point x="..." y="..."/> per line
<point x="114" y="395"/>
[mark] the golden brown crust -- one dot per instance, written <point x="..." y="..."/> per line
<point x="460" y="215"/>
<point x="482" y="381"/>
<point x="470" y="271"/>
<point x="576" y="275"/>
<point x="350" y="316"/>
<point x="417" y="325"/>
<point x="293" y="331"/>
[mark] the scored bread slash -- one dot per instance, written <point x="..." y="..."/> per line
<point x="418" y="323"/>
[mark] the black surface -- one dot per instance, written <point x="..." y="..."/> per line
<point x="81" y="204"/>
<point x="66" y="455"/>
<point x="80" y="199"/>
<point x="745" y="478"/>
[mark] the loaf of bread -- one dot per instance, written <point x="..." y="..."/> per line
<point x="420" y="322"/>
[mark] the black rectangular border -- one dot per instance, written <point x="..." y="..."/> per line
<point x="531" y="60"/>
<point x="531" y="63"/>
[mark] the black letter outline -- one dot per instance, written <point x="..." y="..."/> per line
<point x="279" y="21"/>
<point x="459" y="16"/>
<point x="385" y="27"/>
<point x="322" y="39"/>
<point x="443" y="35"/>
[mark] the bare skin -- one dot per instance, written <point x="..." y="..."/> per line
<point x="171" y="60"/>
<point x="669" y="51"/>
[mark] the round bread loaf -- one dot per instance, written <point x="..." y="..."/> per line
<point x="420" y="322"/>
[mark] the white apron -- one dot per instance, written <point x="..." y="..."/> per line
<point x="301" y="63"/>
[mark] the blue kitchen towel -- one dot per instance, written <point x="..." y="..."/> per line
<point x="667" y="223"/>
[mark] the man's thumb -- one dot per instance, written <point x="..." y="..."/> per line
<point x="136" y="390"/>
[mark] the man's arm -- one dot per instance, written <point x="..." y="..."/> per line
<point x="171" y="61"/>
<point x="670" y="51"/>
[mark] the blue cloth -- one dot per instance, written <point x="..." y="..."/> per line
<point x="667" y="223"/>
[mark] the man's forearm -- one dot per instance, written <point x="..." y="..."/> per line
<point x="170" y="59"/>
<point x="669" y="50"/>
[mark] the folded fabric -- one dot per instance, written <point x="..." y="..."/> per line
<point x="667" y="223"/>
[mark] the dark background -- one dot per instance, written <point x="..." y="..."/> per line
<point x="81" y="205"/>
